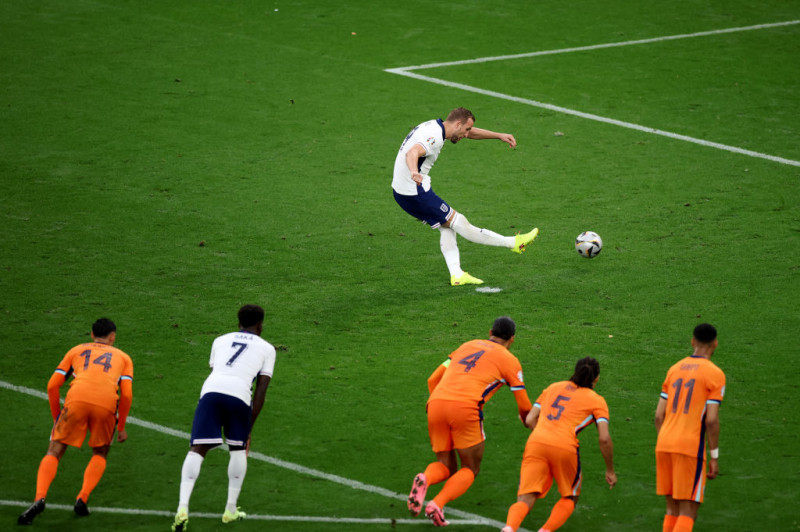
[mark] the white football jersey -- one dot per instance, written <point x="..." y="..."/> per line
<point x="237" y="358"/>
<point x="429" y="135"/>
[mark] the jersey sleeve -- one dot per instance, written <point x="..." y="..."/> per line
<point x="665" y="386"/>
<point x="65" y="366"/>
<point x="600" y="410"/>
<point x="269" y="361"/>
<point x="541" y="398"/>
<point x="211" y="356"/>
<point x="426" y="137"/>
<point x="437" y="375"/>
<point x="54" y="393"/>
<point x="127" y="368"/>
<point x="716" y="388"/>
<point x="512" y="373"/>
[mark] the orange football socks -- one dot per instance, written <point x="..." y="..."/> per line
<point x="48" y="468"/>
<point x="91" y="476"/>
<point x="436" y="472"/>
<point x="669" y="523"/>
<point x="516" y="514"/>
<point x="455" y="486"/>
<point x="559" y="514"/>
<point x="684" y="524"/>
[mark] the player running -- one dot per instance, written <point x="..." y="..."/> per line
<point x="459" y="388"/>
<point x="562" y="411"/>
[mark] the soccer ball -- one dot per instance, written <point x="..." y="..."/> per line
<point x="588" y="244"/>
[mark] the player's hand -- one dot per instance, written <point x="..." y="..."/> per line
<point x="122" y="436"/>
<point x="247" y="447"/>
<point x="509" y="139"/>
<point x="611" y="478"/>
<point x="417" y="177"/>
<point x="713" y="468"/>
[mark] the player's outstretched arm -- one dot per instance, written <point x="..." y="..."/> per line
<point x="607" y="450"/>
<point x="477" y="133"/>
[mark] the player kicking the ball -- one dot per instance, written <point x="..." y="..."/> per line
<point x="413" y="192"/>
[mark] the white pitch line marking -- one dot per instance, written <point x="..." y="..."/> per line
<point x="469" y="518"/>
<point x="250" y="517"/>
<point x="597" y="46"/>
<point x="407" y="72"/>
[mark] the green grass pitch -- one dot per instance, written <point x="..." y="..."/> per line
<point x="163" y="163"/>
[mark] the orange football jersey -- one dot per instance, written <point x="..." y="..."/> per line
<point x="565" y="410"/>
<point x="98" y="369"/>
<point x="690" y="384"/>
<point x="476" y="371"/>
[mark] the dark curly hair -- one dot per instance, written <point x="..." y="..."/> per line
<point x="586" y="371"/>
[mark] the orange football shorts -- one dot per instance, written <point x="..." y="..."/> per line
<point x="454" y="425"/>
<point x="77" y="417"/>
<point x="681" y="476"/>
<point x="542" y="463"/>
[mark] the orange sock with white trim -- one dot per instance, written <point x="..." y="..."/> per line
<point x="91" y="476"/>
<point x="669" y="523"/>
<point x="436" y="472"/>
<point x="516" y="514"/>
<point x="559" y="514"/>
<point x="455" y="487"/>
<point x="684" y="524"/>
<point x="48" y="468"/>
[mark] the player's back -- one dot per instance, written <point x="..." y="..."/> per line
<point x="690" y="385"/>
<point x="477" y="370"/>
<point x="565" y="410"/>
<point x="237" y="358"/>
<point x="97" y="369"/>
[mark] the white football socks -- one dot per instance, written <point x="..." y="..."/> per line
<point x="461" y="225"/>
<point x="189" y="473"/>
<point x="449" y="246"/>
<point x="237" y="468"/>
